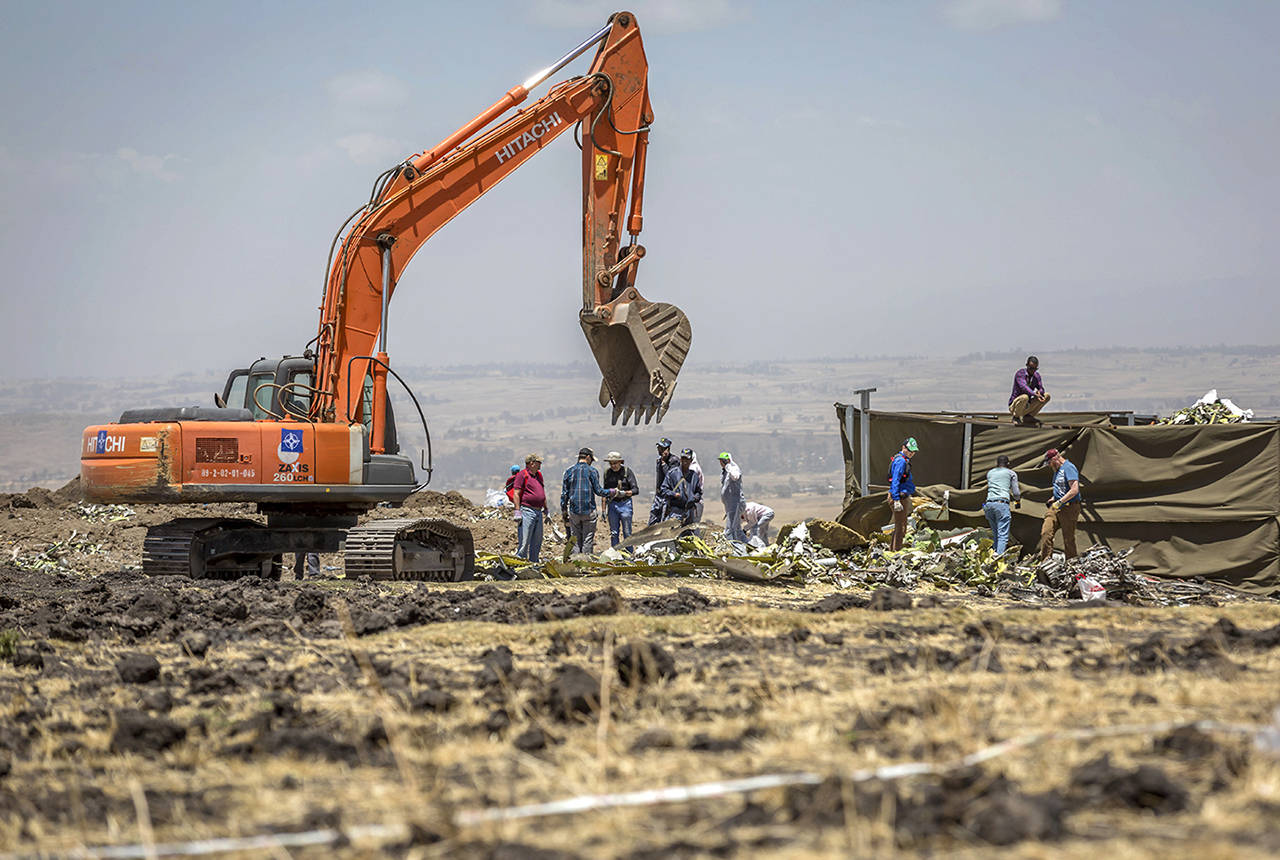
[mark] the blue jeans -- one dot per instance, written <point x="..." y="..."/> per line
<point x="999" y="517"/>
<point x="530" y="533"/>
<point x="620" y="514"/>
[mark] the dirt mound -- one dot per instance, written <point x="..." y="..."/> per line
<point x="447" y="504"/>
<point x="135" y="607"/>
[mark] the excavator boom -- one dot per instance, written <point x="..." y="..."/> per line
<point x="639" y="345"/>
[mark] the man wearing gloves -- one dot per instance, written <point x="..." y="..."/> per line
<point x="731" y="496"/>
<point x="529" y="494"/>
<point x="1064" y="511"/>
<point x="1002" y="490"/>
<point x="620" y="484"/>
<point x="901" y="489"/>
<point x="578" y="501"/>
<point x="666" y="462"/>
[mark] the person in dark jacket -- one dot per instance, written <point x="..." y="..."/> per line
<point x="620" y="483"/>
<point x="901" y="489"/>
<point x="665" y="463"/>
<point x="682" y="490"/>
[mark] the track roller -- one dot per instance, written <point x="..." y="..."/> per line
<point x="424" y="550"/>
<point x="182" y="547"/>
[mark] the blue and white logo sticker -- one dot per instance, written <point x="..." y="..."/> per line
<point x="101" y="447"/>
<point x="290" y="446"/>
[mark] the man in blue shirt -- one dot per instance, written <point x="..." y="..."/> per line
<point x="578" y="501"/>
<point x="901" y="489"/>
<point x="1002" y="488"/>
<point x="1064" y="511"/>
<point x="1028" y="396"/>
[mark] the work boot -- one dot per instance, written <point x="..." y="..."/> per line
<point x="1017" y="421"/>
<point x="1030" y="421"/>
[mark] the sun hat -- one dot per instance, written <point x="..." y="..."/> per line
<point x="614" y="457"/>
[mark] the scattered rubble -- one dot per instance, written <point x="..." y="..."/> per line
<point x="1210" y="409"/>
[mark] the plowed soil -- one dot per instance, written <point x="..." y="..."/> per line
<point x="140" y="710"/>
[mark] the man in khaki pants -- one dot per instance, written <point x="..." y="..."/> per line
<point x="1064" y="511"/>
<point x="1028" y="395"/>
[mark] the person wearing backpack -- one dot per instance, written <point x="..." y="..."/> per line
<point x="901" y="489"/>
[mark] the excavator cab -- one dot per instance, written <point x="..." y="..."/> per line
<point x="270" y="387"/>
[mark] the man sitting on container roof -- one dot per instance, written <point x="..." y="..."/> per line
<point x="1028" y="395"/>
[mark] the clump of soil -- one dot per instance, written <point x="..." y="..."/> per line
<point x="644" y="663"/>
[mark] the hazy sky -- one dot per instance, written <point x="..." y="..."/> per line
<point x="824" y="179"/>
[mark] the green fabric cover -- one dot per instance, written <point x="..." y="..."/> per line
<point x="1194" y="500"/>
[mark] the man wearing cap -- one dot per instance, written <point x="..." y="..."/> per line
<point x="620" y="483"/>
<point x="578" y="501"/>
<point x="1002" y="488"/>
<point x="731" y="497"/>
<point x="529" y="494"/>
<point x="682" y="490"/>
<point x="666" y="462"/>
<point x="1064" y="510"/>
<point x="901" y="489"/>
<point x="1028" y="395"/>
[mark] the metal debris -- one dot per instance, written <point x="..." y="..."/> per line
<point x="1210" y="409"/>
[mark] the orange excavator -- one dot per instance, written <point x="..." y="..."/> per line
<point x="311" y="438"/>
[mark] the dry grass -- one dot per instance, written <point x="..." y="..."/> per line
<point x="795" y="699"/>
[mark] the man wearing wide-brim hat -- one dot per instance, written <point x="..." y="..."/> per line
<point x="620" y="483"/>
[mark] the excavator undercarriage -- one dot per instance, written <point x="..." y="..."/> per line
<point x="395" y="549"/>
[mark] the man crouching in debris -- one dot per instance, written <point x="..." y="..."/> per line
<point x="682" y="490"/>
<point x="901" y="489"/>
<point x="1065" y="508"/>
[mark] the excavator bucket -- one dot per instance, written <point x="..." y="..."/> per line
<point x="640" y="347"/>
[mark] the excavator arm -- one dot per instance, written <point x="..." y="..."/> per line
<point x="639" y="345"/>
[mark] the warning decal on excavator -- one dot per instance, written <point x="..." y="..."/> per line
<point x="602" y="167"/>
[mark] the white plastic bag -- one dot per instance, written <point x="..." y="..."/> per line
<point x="496" y="499"/>
<point x="1090" y="589"/>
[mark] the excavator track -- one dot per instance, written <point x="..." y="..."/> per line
<point x="178" y="548"/>
<point x="421" y="550"/>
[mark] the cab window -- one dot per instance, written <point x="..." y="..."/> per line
<point x="261" y="396"/>
<point x="236" y="392"/>
<point x="299" y="395"/>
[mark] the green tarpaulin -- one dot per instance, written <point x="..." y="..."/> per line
<point x="1193" y="500"/>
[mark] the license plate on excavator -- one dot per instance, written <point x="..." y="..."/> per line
<point x="640" y="347"/>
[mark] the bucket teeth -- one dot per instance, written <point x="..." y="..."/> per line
<point x="640" y="347"/>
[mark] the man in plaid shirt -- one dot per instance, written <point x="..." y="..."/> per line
<point x="578" y="501"/>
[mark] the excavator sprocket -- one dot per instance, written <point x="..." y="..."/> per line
<point x="425" y="550"/>
<point x="640" y="347"/>
<point x="180" y="548"/>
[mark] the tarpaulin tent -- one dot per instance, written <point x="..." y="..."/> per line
<point x="1192" y="500"/>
